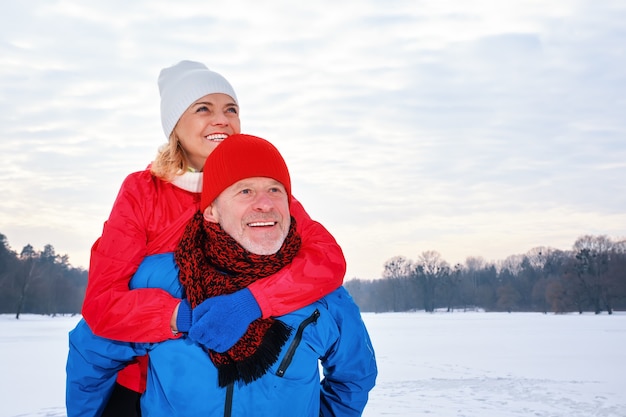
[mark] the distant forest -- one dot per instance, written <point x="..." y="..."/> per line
<point x="39" y="282"/>
<point x="590" y="277"/>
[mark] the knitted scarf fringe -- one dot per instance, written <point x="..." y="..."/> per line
<point x="256" y="365"/>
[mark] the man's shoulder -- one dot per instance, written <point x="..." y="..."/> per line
<point x="338" y="305"/>
<point x="340" y="296"/>
<point x="339" y="302"/>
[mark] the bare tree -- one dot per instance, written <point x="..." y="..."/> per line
<point x="397" y="267"/>
<point x="429" y="271"/>
<point x="595" y="244"/>
<point x="512" y="264"/>
<point x="26" y="275"/>
<point x="508" y="297"/>
<point x="593" y="254"/>
<point x="404" y="294"/>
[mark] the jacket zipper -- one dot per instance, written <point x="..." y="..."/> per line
<point x="284" y="364"/>
<point x="228" y="403"/>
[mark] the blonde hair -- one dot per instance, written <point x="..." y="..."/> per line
<point x="170" y="160"/>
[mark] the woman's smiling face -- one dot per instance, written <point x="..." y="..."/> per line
<point x="204" y="125"/>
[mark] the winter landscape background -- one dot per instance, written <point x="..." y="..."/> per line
<point x="460" y="364"/>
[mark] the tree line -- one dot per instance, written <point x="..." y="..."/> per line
<point x="39" y="282"/>
<point x="590" y="277"/>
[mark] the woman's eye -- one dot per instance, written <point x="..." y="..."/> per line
<point x="232" y="110"/>
<point x="202" y="109"/>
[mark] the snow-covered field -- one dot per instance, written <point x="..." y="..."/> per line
<point x="441" y="365"/>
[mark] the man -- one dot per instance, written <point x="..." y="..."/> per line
<point x="244" y="232"/>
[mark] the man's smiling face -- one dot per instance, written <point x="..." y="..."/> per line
<point x="255" y="212"/>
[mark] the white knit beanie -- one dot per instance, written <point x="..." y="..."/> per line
<point x="182" y="84"/>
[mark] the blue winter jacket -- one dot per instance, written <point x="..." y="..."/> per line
<point x="182" y="380"/>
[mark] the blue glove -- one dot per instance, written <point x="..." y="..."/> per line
<point x="219" y="322"/>
<point x="184" y="316"/>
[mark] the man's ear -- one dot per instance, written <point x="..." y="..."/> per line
<point x="210" y="214"/>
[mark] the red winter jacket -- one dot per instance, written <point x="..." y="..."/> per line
<point x="149" y="217"/>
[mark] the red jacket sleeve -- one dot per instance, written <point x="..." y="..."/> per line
<point x="316" y="271"/>
<point x="148" y="217"/>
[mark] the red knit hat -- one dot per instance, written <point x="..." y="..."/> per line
<point x="238" y="157"/>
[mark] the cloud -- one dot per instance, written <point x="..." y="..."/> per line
<point x="470" y="128"/>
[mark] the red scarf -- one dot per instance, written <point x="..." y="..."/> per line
<point x="212" y="263"/>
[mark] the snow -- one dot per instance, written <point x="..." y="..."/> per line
<point x="460" y="364"/>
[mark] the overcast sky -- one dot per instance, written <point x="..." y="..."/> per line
<point x="472" y="128"/>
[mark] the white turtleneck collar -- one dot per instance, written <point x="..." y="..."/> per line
<point x="189" y="181"/>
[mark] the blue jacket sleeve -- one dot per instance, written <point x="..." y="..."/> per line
<point x="350" y="365"/>
<point x="158" y="271"/>
<point x="93" y="361"/>
<point x="91" y="369"/>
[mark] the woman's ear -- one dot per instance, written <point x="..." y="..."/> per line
<point x="211" y="214"/>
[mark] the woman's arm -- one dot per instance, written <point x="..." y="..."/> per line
<point x="110" y="308"/>
<point x="316" y="271"/>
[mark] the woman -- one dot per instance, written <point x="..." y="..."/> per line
<point x="199" y="109"/>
